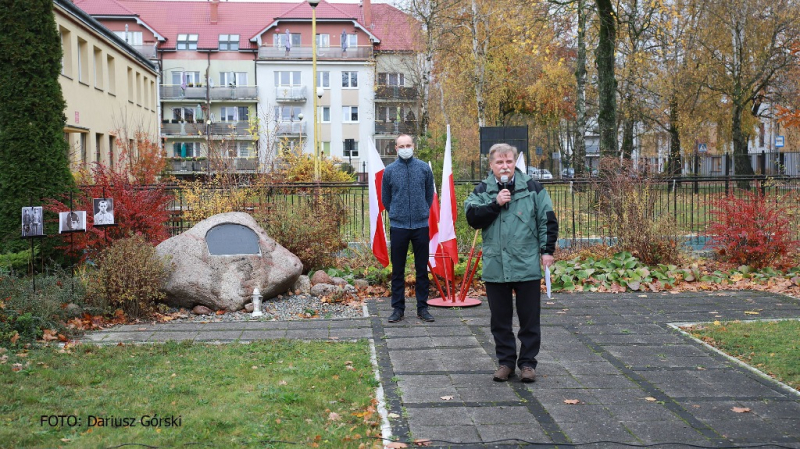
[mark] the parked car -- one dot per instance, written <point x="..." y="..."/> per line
<point x="568" y="173"/>
<point x="539" y="173"/>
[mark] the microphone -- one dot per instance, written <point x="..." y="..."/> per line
<point x="504" y="182"/>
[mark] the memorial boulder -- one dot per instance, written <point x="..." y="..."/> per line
<point x="221" y="260"/>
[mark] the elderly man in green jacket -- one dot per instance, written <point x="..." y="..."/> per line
<point x="519" y="228"/>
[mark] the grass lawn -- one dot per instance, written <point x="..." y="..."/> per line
<point x="771" y="346"/>
<point x="268" y="394"/>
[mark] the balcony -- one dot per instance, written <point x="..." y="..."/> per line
<point x="395" y="128"/>
<point x="218" y="93"/>
<point x="300" y="52"/>
<point x="290" y="93"/>
<point x="198" y="129"/>
<point x="291" y="128"/>
<point x="202" y="165"/>
<point x="399" y="93"/>
<point x="234" y="93"/>
<point x="148" y="51"/>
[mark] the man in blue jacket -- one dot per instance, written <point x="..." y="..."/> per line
<point x="407" y="194"/>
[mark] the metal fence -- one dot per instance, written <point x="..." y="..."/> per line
<point x="687" y="200"/>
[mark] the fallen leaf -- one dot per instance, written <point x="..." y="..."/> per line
<point x="333" y="416"/>
<point x="447" y="398"/>
<point x="650" y="399"/>
<point x="16" y="367"/>
<point x="396" y="445"/>
<point x="14" y="337"/>
<point x="750" y="312"/>
<point x="49" y="335"/>
<point x="65" y="440"/>
<point x="571" y="401"/>
<point x="283" y="382"/>
<point x="422" y="442"/>
<point x="740" y="410"/>
<point x="221" y="312"/>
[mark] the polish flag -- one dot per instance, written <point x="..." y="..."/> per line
<point x="521" y="163"/>
<point x="377" y="234"/>
<point x="433" y="233"/>
<point x="447" y="217"/>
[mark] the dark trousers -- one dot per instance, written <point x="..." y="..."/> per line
<point x="400" y="238"/>
<point x="501" y="305"/>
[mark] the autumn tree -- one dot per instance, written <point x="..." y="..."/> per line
<point x="606" y="79"/>
<point x="33" y="150"/>
<point x="746" y="45"/>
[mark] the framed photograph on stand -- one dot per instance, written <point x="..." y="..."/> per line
<point x="72" y="221"/>
<point x="103" y="212"/>
<point x="32" y="222"/>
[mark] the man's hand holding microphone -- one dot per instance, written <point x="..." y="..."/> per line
<point x="504" y="196"/>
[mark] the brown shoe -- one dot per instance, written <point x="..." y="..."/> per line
<point x="503" y="373"/>
<point x="528" y="374"/>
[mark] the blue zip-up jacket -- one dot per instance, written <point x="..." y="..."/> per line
<point x="407" y="193"/>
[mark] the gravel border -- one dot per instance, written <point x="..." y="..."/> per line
<point x="283" y="308"/>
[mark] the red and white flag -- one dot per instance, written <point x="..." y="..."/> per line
<point x="377" y="234"/>
<point x="435" y="254"/>
<point x="448" y="211"/>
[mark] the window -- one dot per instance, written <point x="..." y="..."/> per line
<point x="346" y="153"/>
<point x="112" y="144"/>
<point x="352" y="40"/>
<point x="187" y="41"/>
<point x="287" y="113"/>
<point x="323" y="40"/>
<point x="324" y="114"/>
<point x="391" y="79"/>
<point x="130" y="84"/>
<point x="83" y="60"/>
<point x="349" y="79"/>
<point x="186" y="149"/>
<point x="180" y="114"/>
<point x="191" y="78"/>
<point x="138" y="88"/>
<point x="350" y="114"/>
<point x="233" y="78"/>
<point x="325" y="148"/>
<point x="131" y="37"/>
<point x="244" y="149"/>
<point x="279" y="39"/>
<point x="234" y="114"/>
<point x="112" y="74"/>
<point x="98" y="68"/>
<point x="98" y="144"/>
<point x="228" y="42"/>
<point x="324" y="79"/>
<point x="66" y="59"/>
<point x="287" y="78"/>
<point x="389" y="114"/>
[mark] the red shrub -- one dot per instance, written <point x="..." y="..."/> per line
<point x="138" y="209"/>
<point x="752" y="229"/>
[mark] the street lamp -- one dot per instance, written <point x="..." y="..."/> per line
<point x="313" y="4"/>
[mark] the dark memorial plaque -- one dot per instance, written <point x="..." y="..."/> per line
<point x="231" y="239"/>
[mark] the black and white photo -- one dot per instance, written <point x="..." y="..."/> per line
<point x="103" y="211"/>
<point x="32" y="221"/>
<point x="72" y="221"/>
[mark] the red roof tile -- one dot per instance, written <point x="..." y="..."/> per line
<point x="247" y="19"/>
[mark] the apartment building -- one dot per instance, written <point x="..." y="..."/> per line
<point x="110" y="88"/>
<point x="237" y="77"/>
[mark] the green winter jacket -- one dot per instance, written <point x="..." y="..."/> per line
<point x="515" y="238"/>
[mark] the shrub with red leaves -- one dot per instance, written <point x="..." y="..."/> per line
<point x="752" y="229"/>
<point x="138" y="209"/>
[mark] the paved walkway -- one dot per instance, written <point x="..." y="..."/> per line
<point x="613" y="354"/>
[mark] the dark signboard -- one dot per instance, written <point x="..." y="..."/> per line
<point x="512" y="135"/>
<point x="231" y="239"/>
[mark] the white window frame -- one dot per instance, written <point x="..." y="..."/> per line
<point x="324" y="114"/>
<point x="284" y="113"/>
<point x="323" y="40"/>
<point x="324" y="80"/>
<point x="131" y="37"/>
<point x="295" y="78"/>
<point x="187" y="42"/>
<point x="193" y="149"/>
<point x="228" y="42"/>
<point x="235" y="78"/>
<point x="278" y="39"/>
<point x="349" y="80"/>
<point x="347" y="114"/>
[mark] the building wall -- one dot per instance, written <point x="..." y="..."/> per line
<point x="109" y="94"/>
